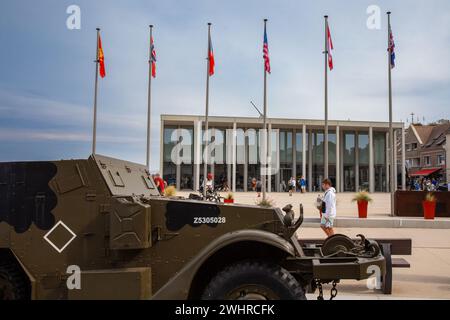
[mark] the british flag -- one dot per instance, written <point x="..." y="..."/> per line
<point x="153" y="57"/>
<point x="266" y="52"/>
<point x="391" y="49"/>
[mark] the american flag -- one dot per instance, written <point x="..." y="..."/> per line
<point x="391" y="48"/>
<point x="153" y="57"/>
<point x="266" y="52"/>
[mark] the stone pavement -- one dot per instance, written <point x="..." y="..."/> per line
<point x="379" y="207"/>
<point x="347" y="211"/>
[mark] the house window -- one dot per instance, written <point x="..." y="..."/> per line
<point x="413" y="146"/>
<point x="408" y="147"/>
<point x="427" y="160"/>
<point x="441" y="159"/>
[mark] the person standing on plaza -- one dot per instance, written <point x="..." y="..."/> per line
<point x="302" y="184"/>
<point x="258" y="187"/>
<point x="160" y="185"/>
<point x="209" y="182"/>
<point x="328" y="208"/>
<point x="291" y="184"/>
<point x="253" y="184"/>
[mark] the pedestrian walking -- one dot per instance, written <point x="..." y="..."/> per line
<point x="328" y="207"/>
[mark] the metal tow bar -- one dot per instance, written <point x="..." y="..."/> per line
<point x="333" y="293"/>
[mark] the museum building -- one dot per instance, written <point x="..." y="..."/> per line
<point x="358" y="157"/>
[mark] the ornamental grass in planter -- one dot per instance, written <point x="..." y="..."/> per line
<point x="265" y="203"/>
<point x="229" y="198"/>
<point x="170" y="191"/>
<point x="429" y="206"/>
<point x="362" y="198"/>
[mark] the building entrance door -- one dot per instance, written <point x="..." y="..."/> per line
<point x="349" y="178"/>
<point x="285" y="175"/>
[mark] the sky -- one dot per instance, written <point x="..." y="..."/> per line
<point x="47" y="71"/>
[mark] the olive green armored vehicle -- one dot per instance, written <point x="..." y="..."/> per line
<point x="99" y="229"/>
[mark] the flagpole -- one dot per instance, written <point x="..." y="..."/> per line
<point x="391" y="130"/>
<point x="94" y="127"/>
<point x="206" y="151"/>
<point x="326" y="101"/>
<point x="149" y="101"/>
<point x="265" y="133"/>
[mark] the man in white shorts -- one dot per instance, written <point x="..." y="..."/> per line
<point x="328" y="207"/>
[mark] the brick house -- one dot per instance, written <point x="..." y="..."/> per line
<point x="425" y="147"/>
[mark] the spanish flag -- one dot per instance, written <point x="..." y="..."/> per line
<point x="101" y="58"/>
<point x="212" y="63"/>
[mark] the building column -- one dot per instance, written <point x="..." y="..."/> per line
<point x="310" y="164"/>
<point x="304" y="142"/>
<point x="269" y="151"/>
<point x="212" y="163"/>
<point x="395" y="159"/>
<point x="403" y="162"/>
<point x="161" y="149"/>
<point x="277" y="161"/>
<point x="197" y="152"/>
<point x="387" y="176"/>
<point x="234" y="157"/>
<point x="338" y="161"/>
<point x="371" y="162"/>
<point x="294" y="154"/>
<point x="245" y="161"/>
<point x="229" y="155"/>
<point x="342" y="162"/>
<point x="178" y="165"/>
<point x="356" y="161"/>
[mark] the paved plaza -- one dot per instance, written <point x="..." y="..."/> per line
<point x="380" y="206"/>
<point x="428" y="277"/>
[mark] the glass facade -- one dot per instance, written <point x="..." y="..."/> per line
<point x="187" y="167"/>
<point x="254" y="167"/>
<point x="178" y="166"/>
<point x="169" y="167"/>
<point x="349" y="161"/>
<point x="240" y="159"/>
<point x="299" y="155"/>
<point x="363" y="160"/>
<point x="286" y="159"/>
<point x="379" y="154"/>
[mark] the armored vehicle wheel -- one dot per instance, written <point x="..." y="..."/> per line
<point x="252" y="280"/>
<point x="336" y="243"/>
<point x="13" y="285"/>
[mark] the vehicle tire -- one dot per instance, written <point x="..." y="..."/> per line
<point x="252" y="280"/>
<point x="13" y="283"/>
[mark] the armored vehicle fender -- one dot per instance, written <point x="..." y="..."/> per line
<point x="223" y="251"/>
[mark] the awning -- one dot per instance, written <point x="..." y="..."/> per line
<point x="424" y="172"/>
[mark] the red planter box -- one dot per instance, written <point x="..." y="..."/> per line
<point x="429" y="209"/>
<point x="362" y="209"/>
<point x="228" y="200"/>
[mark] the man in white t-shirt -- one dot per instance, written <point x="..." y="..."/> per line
<point x="328" y="208"/>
